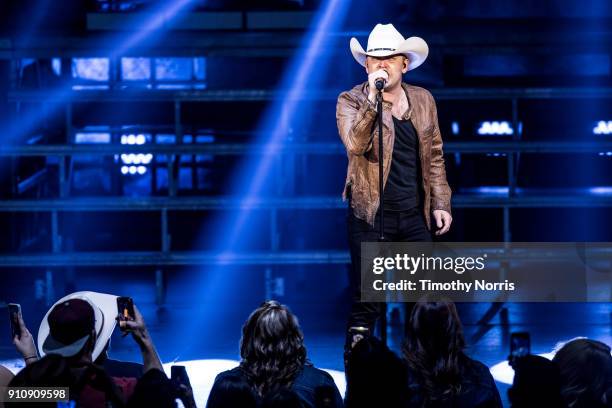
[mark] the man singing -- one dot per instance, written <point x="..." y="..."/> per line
<point x="414" y="177"/>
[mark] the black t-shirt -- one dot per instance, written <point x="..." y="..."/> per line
<point x="403" y="188"/>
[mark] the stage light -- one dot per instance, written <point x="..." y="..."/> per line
<point x="133" y="170"/>
<point x="91" y="69"/>
<point x="495" y="128"/>
<point x="496" y="190"/>
<point x="603" y="128"/>
<point x="135" y="69"/>
<point x="455" y="128"/>
<point x="601" y="190"/>
<point x="56" y="65"/>
<point x="133" y="139"/>
<point x="92" y="138"/>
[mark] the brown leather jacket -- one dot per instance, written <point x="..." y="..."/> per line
<point x="356" y="118"/>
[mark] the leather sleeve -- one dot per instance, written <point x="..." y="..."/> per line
<point x="440" y="190"/>
<point x="355" y="119"/>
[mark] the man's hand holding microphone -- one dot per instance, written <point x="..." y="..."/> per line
<point x="377" y="81"/>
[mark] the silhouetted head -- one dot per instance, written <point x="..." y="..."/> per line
<point x="376" y="376"/>
<point x="272" y="348"/>
<point x="434" y="328"/>
<point x="536" y="383"/>
<point x="433" y="348"/>
<point x="586" y="373"/>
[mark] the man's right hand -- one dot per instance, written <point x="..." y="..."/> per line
<point x="137" y="327"/>
<point x="381" y="73"/>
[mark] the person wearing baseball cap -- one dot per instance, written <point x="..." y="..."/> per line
<point x="415" y="190"/>
<point x="72" y="324"/>
<point x="105" y="312"/>
<point x="69" y="343"/>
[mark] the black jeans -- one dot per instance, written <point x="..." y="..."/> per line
<point x="400" y="226"/>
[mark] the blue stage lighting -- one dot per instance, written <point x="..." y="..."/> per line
<point x="133" y="170"/>
<point x="94" y="73"/>
<point x="492" y="190"/>
<point x="455" y="128"/>
<point x="256" y="177"/>
<point x="304" y="73"/>
<point x="157" y="19"/>
<point x="179" y="69"/>
<point x="135" y="69"/>
<point x="495" y="128"/>
<point x="603" y="128"/>
<point x="169" y="72"/>
<point x="140" y="159"/>
<point x="56" y="65"/>
<point x="132" y="139"/>
<point x="90" y="69"/>
<point x="92" y="137"/>
<point x="601" y="190"/>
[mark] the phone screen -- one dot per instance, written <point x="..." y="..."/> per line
<point x="520" y="344"/>
<point x="125" y="307"/>
<point x="14" y="312"/>
<point x="179" y="375"/>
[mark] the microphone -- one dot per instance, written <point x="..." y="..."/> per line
<point x="380" y="84"/>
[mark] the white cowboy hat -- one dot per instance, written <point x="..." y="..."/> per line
<point x="105" y="312"/>
<point x="385" y="40"/>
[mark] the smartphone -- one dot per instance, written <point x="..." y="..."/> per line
<point x="179" y="376"/>
<point x="14" y="312"/>
<point x="520" y="345"/>
<point x="125" y="307"/>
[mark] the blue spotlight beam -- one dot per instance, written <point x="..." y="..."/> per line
<point x="304" y="73"/>
<point x="158" y="21"/>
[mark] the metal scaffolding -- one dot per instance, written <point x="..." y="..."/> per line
<point x="63" y="153"/>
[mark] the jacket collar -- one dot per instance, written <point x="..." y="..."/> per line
<point x="365" y="89"/>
